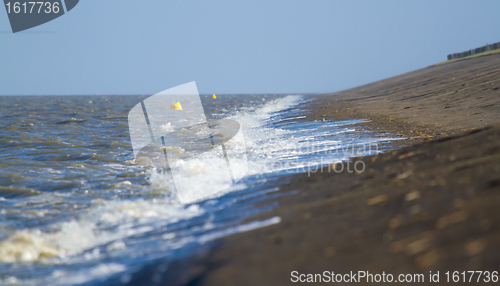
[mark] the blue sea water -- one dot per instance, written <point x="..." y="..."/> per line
<point x="76" y="208"/>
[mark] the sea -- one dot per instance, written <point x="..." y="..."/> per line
<point x="77" y="208"/>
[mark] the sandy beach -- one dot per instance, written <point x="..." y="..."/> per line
<point x="429" y="205"/>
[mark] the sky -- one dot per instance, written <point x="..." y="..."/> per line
<point x="272" y="46"/>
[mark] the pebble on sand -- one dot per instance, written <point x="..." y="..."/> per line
<point x="417" y="246"/>
<point x="427" y="259"/>
<point x="329" y="251"/>
<point x="451" y="219"/>
<point x="412" y="196"/>
<point x="376" y="200"/>
<point x="475" y="247"/>
<point x="395" y="222"/>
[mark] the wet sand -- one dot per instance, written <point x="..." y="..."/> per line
<point x="431" y="205"/>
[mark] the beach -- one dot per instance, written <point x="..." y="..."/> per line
<point x="431" y="204"/>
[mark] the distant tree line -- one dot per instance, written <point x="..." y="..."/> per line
<point x="474" y="51"/>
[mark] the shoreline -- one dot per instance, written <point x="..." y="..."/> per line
<point x="429" y="205"/>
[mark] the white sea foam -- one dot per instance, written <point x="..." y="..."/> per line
<point x="76" y="236"/>
<point x="198" y="176"/>
<point x="100" y="271"/>
<point x="240" y="228"/>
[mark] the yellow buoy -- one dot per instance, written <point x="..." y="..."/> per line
<point x="214" y="97"/>
<point x="176" y="106"/>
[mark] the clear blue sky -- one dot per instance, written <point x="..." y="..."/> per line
<point x="271" y="46"/>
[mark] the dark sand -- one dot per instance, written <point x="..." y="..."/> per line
<point x="431" y="205"/>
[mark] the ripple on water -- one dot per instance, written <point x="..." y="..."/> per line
<point x="10" y="192"/>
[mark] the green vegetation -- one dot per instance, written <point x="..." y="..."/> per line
<point x="470" y="57"/>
